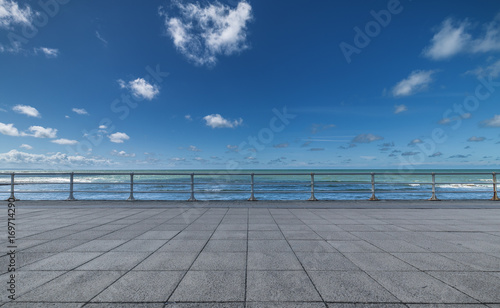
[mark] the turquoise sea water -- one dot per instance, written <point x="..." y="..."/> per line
<point x="218" y="185"/>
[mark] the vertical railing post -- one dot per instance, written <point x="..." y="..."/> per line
<point x="252" y="183"/>
<point x="373" y="198"/>
<point x="71" y="197"/>
<point x="313" y="198"/>
<point x="434" y="198"/>
<point x="131" y="197"/>
<point x="192" y="198"/>
<point x="12" y="197"/>
<point x="495" y="196"/>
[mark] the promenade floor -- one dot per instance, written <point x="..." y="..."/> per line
<point x="254" y="254"/>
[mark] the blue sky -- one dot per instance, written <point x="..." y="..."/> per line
<point x="249" y="84"/>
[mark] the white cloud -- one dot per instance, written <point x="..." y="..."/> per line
<point x="188" y="117"/>
<point x="476" y="139"/>
<point x="417" y="81"/>
<point x="122" y="153"/>
<point x="177" y="159"/>
<point x="66" y="116"/>
<point x="118" y="137"/>
<point x="80" y="111"/>
<point x="8" y="129"/>
<point x="203" y="33"/>
<point x="492" y="70"/>
<point x="217" y="121"/>
<point x="57" y="159"/>
<point x="453" y="37"/>
<point x="193" y="149"/>
<point x="64" y="141"/>
<point x="98" y="35"/>
<point x="11" y="14"/>
<point x="2" y="110"/>
<point x="281" y="145"/>
<point x="400" y="108"/>
<point x="26" y="146"/>
<point x="102" y="127"/>
<point x="415" y="141"/>
<point x="366" y="138"/>
<point x="493" y="122"/>
<point x="140" y="88"/>
<point x="48" y="52"/>
<point x="42" y="132"/>
<point x="27" y="110"/>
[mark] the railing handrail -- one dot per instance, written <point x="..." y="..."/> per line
<point x="191" y="182"/>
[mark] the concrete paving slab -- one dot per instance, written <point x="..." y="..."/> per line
<point x="268" y="246"/>
<point x="278" y="286"/>
<point x="27" y="281"/>
<point x="74" y="286"/>
<point x="273" y="261"/>
<point x="265" y="235"/>
<point x="286" y="304"/>
<point x="432" y="262"/>
<point x="183" y="246"/>
<point x="354" y="246"/>
<point x="142" y="286"/>
<point x="167" y="261"/>
<point x="220" y="261"/>
<point x="226" y="246"/>
<point x="483" y="287"/>
<point x="375" y="261"/>
<point x="419" y="287"/>
<point x="140" y="245"/>
<point x="311" y="246"/>
<point x="479" y="261"/>
<point x="63" y="261"/>
<point x="114" y="261"/>
<point x="325" y="261"/>
<point x="206" y="286"/>
<point x="352" y="286"/>
<point x="98" y="245"/>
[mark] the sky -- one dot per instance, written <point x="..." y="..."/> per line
<point x="252" y="84"/>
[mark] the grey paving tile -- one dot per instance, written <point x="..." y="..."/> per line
<point x="117" y="261"/>
<point x="396" y="246"/>
<point x="365" y="305"/>
<point x="484" y="287"/>
<point x="374" y="261"/>
<point x="140" y="245"/>
<point x="419" y="287"/>
<point x="265" y="235"/>
<point x="233" y="227"/>
<point x="140" y="286"/>
<point x="183" y="246"/>
<point x="326" y="261"/>
<point x="157" y="235"/>
<point x="337" y="236"/>
<point x="268" y="246"/>
<point x="194" y="235"/>
<point x="167" y="261"/>
<point x="74" y="286"/>
<point x="352" y="286"/>
<point x="63" y="261"/>
<point x="44" y="305"/>
<point x="86" y="235"/>
<point x="263" y="227"/>
<point x="207" y="286"/>
<point x="229" y="235"/>
<point x="119" y="305"/>
<point x="354" y="246"/>
<point x="25" y="258"/>
<point x="26" y="281"/>
<point x="301" y="235"/>
<point x="220" y="261"/>
<point x="55" y="246"/>
<point x="447" y="306"/>
<point x="122" y="235"/>
<point x="311" y="246"/>
<point x="269" y="286"/>
<point x="479" y="261"/>
<point x="98" y="245"/>
<point x="226" y="246"/>
<point x="285" y="304"/>
<point x="432" y="261"/>
<point x="273" y="261"/>
<point x="205" y="305"/>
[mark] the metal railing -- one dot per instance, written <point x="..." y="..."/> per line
<point x="190" y="182"/>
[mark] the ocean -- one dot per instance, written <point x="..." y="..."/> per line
<point x="217" y="185"/>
